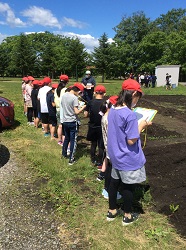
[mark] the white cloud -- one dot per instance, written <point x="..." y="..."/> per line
<point x="2" y="37"/>
<point x="10" y="18"/>
<point x="73" y="23"/>
<point x="89" y="41"/>
<point x="41" y="16"/>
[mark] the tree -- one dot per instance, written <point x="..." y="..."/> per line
<point x="101" y="55"/>
<point x="174" y="20"/>
<point x="77" y="56"/>
<point x="131" y="31"/>
<point x="150" y="51"/>
<point x="3" y="58"/>
<point x="23" y="56"/>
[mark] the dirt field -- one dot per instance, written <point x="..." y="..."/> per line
<point x="166" y="156"/>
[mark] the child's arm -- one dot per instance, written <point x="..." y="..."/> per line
<point x="77" y="111"/>
<point x="143" y="124"/>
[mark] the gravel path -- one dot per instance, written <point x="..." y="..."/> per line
<point x="26" y="222"/>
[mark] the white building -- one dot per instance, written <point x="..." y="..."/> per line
<point x="162" y="70"/>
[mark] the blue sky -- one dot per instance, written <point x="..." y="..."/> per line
<point x="87" y="20"/>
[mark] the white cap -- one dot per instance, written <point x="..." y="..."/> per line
<point x="88" y="72"/>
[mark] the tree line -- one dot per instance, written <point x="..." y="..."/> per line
<point x="139" y="46"/>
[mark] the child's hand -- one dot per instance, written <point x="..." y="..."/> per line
<point x="143" y="124"/>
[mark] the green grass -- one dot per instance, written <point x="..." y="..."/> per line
<point x="75" y="191"/>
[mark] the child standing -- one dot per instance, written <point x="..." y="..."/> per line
<point x="94" y="129"/>
<point x="52" y="111"/>
<point x="124" y="150"/>
<point x="35" y="101"/>
<point x="106" y="167"/>
<point x="57" y="98"/>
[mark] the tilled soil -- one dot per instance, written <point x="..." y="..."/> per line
<point x="166" y="157"/>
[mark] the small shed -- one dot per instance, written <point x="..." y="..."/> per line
<point x="162" y="70"/>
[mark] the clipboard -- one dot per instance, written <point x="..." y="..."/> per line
<point x="145" y="114"/>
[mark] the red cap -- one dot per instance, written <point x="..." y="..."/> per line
<point x="63" y="78"/>
<point x="113" y="99"/>
<point x="79" y="86"/>
<point x="131" y="84"/>
<point x="100" y="88"/>
<point x="54" y="85"/>
<point x="25" y="79"/>
<point x="30" y="78"/>
<point x="47" y="80"/>
<point x="41" y="83"/>
<point x="35" y="82"/>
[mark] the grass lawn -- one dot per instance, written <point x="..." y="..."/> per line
<point x="75" y="191"/>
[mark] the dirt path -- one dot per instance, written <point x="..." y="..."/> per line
<point x="25" y="220"/>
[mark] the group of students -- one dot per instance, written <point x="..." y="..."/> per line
<point x="112" y="128"/>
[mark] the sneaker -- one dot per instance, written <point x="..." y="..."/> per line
<point x="101" y="176"/>
<point x="60" y="143"/>
<point x="30" y="123"/>
<point x="99" y="167"/>
<point x="111" y="217"/>
<point x="71" y="162"/>
<point x="68" y="151"/>
<point x="126" y="221"/>
<point x="46" y="134"/>
<point x="105" y="194"/>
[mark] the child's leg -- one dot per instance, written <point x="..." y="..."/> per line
<point x="93" y="150"/>
<point x="127" y="191"/>
<point x="108" y="175"/>
<point x="113" y="188"/>
<point x="52" y="131"/>
<point x="101" y="152"/>
<point x="59" y="132"/>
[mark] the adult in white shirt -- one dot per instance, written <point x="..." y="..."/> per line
<point x="43" y="104"/>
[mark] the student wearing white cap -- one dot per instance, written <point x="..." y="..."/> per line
<point x="88" y="83"/>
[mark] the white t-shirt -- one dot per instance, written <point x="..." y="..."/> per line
<point x="42" y="97"/>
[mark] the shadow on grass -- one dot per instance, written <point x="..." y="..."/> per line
<point x="140" y="193"/>
<point x="4" y="155"/>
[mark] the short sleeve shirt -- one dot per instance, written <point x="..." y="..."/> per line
<point x="42" y="96"/>
<point x="123" y="126"/>
<point x="68" y="102"/>
<point x="50" y="100"/>
<point x="93" y="108"/>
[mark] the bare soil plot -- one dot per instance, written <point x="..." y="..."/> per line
<point x="166" y="156"/>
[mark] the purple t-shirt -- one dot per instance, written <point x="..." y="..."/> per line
<point x="122" y="126"/>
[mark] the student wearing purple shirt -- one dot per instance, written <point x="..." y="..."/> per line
<point x="124" y="150"/>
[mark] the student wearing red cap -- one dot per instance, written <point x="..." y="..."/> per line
<point x="125" y="151"/>
<point x="28" y="100"/>
<point x="35" y="101"/>
<point x="59" y="91"/>
<point x="69" y="103"/>
<point x="94" y="134"/>
<point x="23" y="86"/>
<point x="43" y="104"/>
<point x="52" y="118"/>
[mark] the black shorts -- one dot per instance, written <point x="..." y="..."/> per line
<point x="94" y="134"/>
<point x="35" y="113"/>
<point x="44" y="118"/>
<point x="52" y="120"/>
